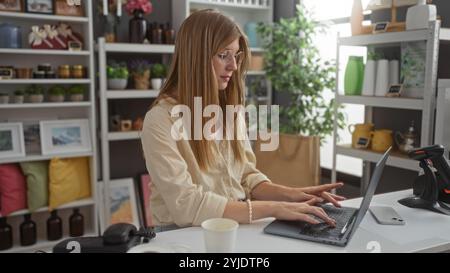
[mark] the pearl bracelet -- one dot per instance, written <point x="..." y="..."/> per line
<point x="250" y="211"/>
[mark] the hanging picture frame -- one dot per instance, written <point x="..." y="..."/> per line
<point x="11" y="140"/>
<point x="39" y="6"/>
<point x="69" y="7"/>
<point x="65" y="136"/>
<point x="11" y="5"/>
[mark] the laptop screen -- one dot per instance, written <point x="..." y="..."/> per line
<point x="370" y="191"/>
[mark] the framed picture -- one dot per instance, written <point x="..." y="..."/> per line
<point x="123" y="206"/>
<point x="69" y="7"/>
<point x="11" y="140"/>
<point x="32" y="137"/>
<point x="65" y="136"/>
<point x="11" y="5"/>
<point x="39" y="6"/>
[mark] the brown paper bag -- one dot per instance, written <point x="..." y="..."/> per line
<point x="296" y="162"/>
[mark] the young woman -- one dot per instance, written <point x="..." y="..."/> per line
<point x="194" y="180"/>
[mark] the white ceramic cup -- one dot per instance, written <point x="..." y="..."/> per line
<point x="394" y="71"/>
<point x="370" y="73"/>
<point x="382" y="83"/>
<point x="220" y="235"/>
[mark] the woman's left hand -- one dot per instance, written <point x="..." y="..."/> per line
<point x="320" y="194"/>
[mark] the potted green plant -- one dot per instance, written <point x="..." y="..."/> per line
<point x="35" y="93"/>
<point x="117" y="74"/>
<point x="4" y="98"/>
<point x="157" y="75"/>
<point x="76" y="92"/>
<point x="19" y="96"/>
<point x="57" y="93"/>
<point x="296" y="70"/>
<point x="140" y="69"/>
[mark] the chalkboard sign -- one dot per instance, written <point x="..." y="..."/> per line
<point x="395" y="90"/>
<point x="362" y="142"/>
<point x="380" y="27"/>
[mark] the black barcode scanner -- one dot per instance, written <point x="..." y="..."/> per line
<point x="431" y="190"/>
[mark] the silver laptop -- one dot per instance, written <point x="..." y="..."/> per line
<point x="347" y="219"/>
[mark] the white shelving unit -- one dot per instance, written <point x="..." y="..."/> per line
<point x="433" y="37"/>
<point x="442" y="131"/>
<point x="242" y="11"/>
<point x="105" y="50"/>
<point x="34" y="112"/>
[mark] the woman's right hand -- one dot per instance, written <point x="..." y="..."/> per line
<point x="301" y="212"/>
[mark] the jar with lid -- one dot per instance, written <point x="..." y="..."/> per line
<point x="64" y="71"/>
<point x="45" y="67"/>
<point x="50" y="74"/>
<point x="78" y="72"/>
<point x="39" y="74"/>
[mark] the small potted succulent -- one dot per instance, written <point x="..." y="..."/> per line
<point x="117" y="76"/>
<point x="158" y="73"/>
<point x="35" y="93"/>
<point x="140" y="69"/>
<point x="57" y="93"/>
<point x="76" y="92"/>
<point x="4" y="98"/>
<point x="19" y="96"/>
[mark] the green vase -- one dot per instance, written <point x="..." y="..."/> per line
<point x="354" y="76"/>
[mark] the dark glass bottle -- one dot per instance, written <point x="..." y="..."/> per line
<point x="6" y="238"/>
<point x="76" y="223"/>
<point x="138" y="27"/>
<point x="169" y="35"/>
<point x="54" y="227"/>
<point x="150" y="32"/>
<point x="157" y="34"/>
<point x="27" y="231"/>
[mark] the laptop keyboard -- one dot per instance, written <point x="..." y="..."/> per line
<point x="341" y="215"/>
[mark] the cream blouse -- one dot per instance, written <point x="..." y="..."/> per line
<point x="182" y="193"/>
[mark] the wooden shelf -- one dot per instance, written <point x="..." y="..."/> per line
<point x="30" y="158"/>
<point x="75" y="204"/>
<point x="398" y="103"/>
<point x="131" y="94"/>
<point x="117" y="136"/>
<point x="256" y="73"/>
<point x="257" y="50"/>
<point x="139" y="48"/>
<point x="35" y="16"/>
<point x="396" y="159"/>
<point x="43" y="51"/>
<point x="392" y="38"/>
<point x="45" y="105"/>
<point x="46" y="81"/>
<point x="218" y="3"/>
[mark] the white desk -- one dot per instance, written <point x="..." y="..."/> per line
<point x="424" y="231"/>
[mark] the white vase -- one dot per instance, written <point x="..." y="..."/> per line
<point x="4" y="99"/>
<point x="394" y="70"/>
<point x="117" y="84"/>
<point x="357" y="18"/>
<point x="156" y="84"/>
<point x="370" y="73"/>
<point x="77" y="97"/>
<point x="420" y="15"/>
<point x="382" y="82"/>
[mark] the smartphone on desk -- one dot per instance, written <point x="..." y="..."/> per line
<point x="386" y="216"/>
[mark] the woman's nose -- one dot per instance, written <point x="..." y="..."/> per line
<point x="232" y="66"/>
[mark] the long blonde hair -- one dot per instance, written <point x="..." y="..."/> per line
<point x="201" y="36"/>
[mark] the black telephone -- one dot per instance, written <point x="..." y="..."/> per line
<point x="117" y="238"/>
